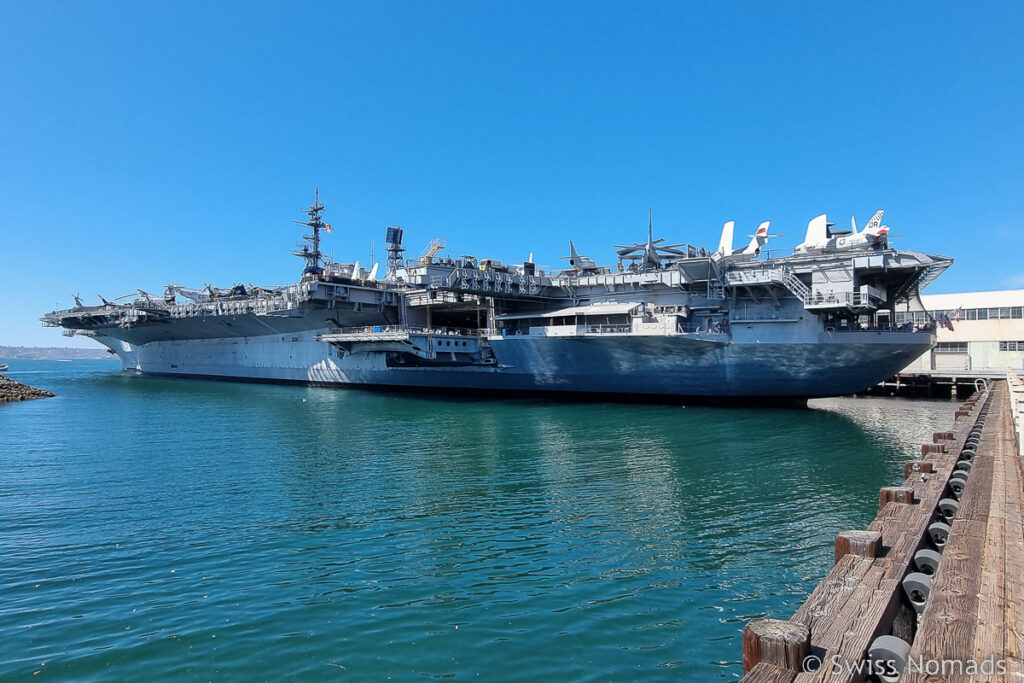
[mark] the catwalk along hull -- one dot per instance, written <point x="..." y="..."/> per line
<point x="827" y="364"/>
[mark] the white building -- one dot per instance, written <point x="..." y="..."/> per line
<point x="988" y="338"/>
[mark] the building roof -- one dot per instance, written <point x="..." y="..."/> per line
<point x="991" y="299"/>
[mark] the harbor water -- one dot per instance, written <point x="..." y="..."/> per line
<point x="199" y="530"/>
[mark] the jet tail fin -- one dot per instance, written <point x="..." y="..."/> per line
<point x="817" y="232"/>
<point x="874" y="225"/>
<point x="725" y="243"/>
<point x="758" y="239"/>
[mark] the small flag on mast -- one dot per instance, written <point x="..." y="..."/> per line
<point x="328" y="228"/>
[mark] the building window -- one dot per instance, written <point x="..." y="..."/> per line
<point x="1011" y="346"/>
<point x="951" y="347"/>
<point x="1002" y="313"/>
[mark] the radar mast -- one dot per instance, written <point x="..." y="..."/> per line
<point x="311" y="252"/>
<point x="395" y="250"/>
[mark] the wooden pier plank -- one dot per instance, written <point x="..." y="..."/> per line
<point x="977" y="499"/>
<point x="948" y="625"/>
<point x="980" y="578"/>
<point x="1013" y="515"/>
<point x="1013" y="642"/>
<point x="829" y="595"/>
<point x="1014" y="669"/>
<point x="872" y="603"/>
<point x="991" y="603"/>
<point x="768" y="673"/>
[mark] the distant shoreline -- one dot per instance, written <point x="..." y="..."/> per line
<point x="52" y="353"/>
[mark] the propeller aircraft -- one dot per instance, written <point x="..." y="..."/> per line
<point x="820" y="237"/>
<point x="649" y="254"/>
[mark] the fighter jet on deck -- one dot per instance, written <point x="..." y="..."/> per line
<point x="747" y="253"/>
<point x="582" y="263"/>
<point x="819" y="236"/>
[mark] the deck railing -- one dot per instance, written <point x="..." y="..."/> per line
<point x="609" y="329"/>
<point x="390" y="329"/>
<point x="906" y="328"/>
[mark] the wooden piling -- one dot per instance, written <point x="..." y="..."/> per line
<point x="895" y="494"/>
<point x="783" y="644"/>
<point x="917" y="466"/>
<point x="859" y="543"/>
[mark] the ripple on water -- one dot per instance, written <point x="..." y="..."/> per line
<point x="205" y="529"/>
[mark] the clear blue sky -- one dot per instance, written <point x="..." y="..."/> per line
<point x="146" y="143"/>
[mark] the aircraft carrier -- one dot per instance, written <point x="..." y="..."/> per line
<point x="665" y="321"/>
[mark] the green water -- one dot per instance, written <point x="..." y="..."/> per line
<point x="174" y="529"/>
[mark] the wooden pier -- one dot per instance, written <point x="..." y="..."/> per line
<point x="933" y="589"/>
<point x="935" y="384"/>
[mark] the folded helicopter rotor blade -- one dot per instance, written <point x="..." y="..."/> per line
<point x="671" y="250"/>
<point x="628" y="250"/>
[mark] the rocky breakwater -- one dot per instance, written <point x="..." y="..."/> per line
<point x="16" y="391"/>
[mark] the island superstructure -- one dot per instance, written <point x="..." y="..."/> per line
<point x="667" y="320"/>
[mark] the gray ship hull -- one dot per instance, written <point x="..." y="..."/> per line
<point x="828" y="364"/>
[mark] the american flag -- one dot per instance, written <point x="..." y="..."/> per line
<point x="944" y="321"/>
<point x="328" y="228"/>
<point x="957" y="314"/>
